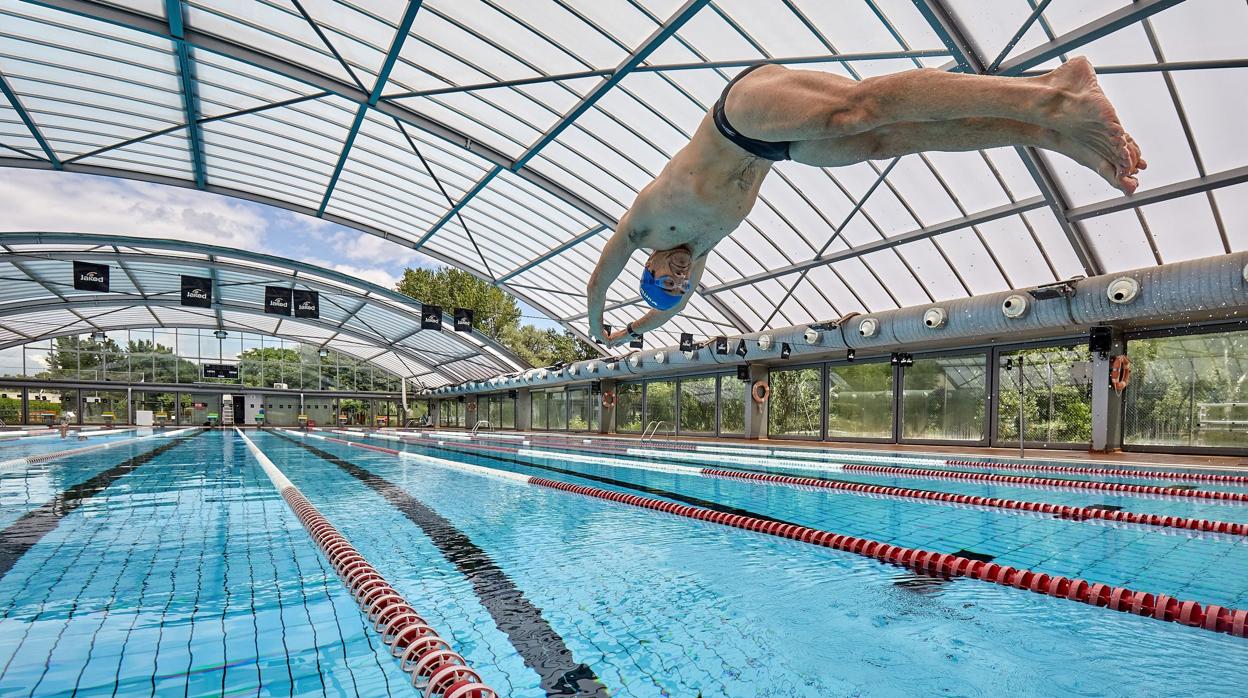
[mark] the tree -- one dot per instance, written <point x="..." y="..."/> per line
<point x="544" y="347"/>
<point x="496" y="314"/>
<point x="494" y="310"/>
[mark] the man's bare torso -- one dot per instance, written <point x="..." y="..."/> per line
<point x="700" y="197"/>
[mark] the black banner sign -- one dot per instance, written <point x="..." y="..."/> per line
<point x="229" y="371"/>
<point x="90" y="277"/>
<point x="307" y="303"/>
<point x="686" y="341"/>
<point x="431" y="317"/>
<point x="277" y="300"/>
<point x="463" y="320"/>
<point x="196" y="291"/>
<point x="636" y="342"/>
<point x="721" y="346"/>
<point x="741" y="350"/>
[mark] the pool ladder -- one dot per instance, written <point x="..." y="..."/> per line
<point x="652" y="430"/>
<point x="483" y="423"/>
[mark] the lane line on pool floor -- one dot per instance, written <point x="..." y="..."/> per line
<point x="1070" y="512"/>
<point x="20" y="536"/>
<point x="434" y="666"/>
<point x="539" y="645"/>
<point x="1159" y="606"/>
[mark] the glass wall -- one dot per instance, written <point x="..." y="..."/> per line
<point x="661" y="404"/>
<point x="105" y="407"/>
<point x="582" y="412"/>
<point x="628" y="407"/>
<point x="1188" y="391"/>
<point x="943" y="398"/>
<point x="860" y="401"/>
<point x="697" y="405"/>
<point x="1056" y="394"/>
<point x="731" y="406"/>
<point x="557" y="410"/>
<point x="796" y="403"/>
<point x="178" y="355"/>
<point x="11" y="406"/>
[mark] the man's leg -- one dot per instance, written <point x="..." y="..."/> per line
<point x="956" y="135"/>
<point x="777" y="104"/>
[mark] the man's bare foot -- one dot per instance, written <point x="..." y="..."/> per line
<point x="1091" y="158"/>
<point x="1088" y="117"/>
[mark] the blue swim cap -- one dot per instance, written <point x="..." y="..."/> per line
<point x="656" y="296"/>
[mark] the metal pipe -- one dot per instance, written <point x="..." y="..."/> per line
<point x="1200" y="290"/>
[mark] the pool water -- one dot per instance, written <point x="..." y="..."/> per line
<point x="179" y="570"/>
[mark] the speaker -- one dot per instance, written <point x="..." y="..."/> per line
<point x="1100" y="339"/>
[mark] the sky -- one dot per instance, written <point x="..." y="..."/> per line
<point x="38" y="200"/>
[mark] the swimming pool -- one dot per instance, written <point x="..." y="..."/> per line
<point x="172" y="565"/>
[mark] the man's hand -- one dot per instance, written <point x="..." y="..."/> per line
<point x="617" y="338"/>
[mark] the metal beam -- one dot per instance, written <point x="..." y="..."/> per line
<point x="31" y="126"/>
<point x="974" y="219"/>
<point x="350" y="285"/>
<point x="1086" y="34"/>
<point x="673" y="67"/>
<point x="552" y="252"/>
<point x="1187" y="187"/>
<point x="27" y="307"/>
<point x="671" y="26"/>
<point x="1018" y="35"/>
<point x="954" y="37"/>
<point x="459" y="206"/>
<point x="189" y="91"/>
<point x="383" y="75"/>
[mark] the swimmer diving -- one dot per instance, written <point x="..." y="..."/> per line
<point x="769" y="113"/>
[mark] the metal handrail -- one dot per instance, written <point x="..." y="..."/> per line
<point x="479" y="424"/>
<point x="648" y="434"/>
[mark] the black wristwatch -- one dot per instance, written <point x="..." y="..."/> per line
<point x="631" y="333"/>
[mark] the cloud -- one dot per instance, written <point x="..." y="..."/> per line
<point x="35" y="200"/>
<point x="62" y="202"/>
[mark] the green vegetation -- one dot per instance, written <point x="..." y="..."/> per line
<point x="496" y="314"/>
<point x="1057" y="396"/>
<point x="795" y="402"/>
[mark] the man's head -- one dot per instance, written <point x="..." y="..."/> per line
<point x="665" y="279"/>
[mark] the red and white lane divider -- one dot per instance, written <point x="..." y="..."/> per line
<point x="1061" y="510"/>
<point x="1075" y="513"/>
<point x="56" y="455"/>
<point x="434" y="666"/>
<point x="1158" y="606"/>
<point x="1112" y="472"/>
<point x="1215" y="495"/>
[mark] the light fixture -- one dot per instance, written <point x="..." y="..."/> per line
<point x="1014" y="306"/>
<point x="934" y="318"/>
<point x="591" y="367"/>
<point x="323" y="353"/>
<point x="1124" y="289"/>
<point x="98" y="336"/>
<point x="811" y="335"/>
<point x="635" y="361"/>
<point x="220" y="334"/>
<point x="764" y="342"/>
<point x="869" y="327"/>
<point x="660" y="357"/>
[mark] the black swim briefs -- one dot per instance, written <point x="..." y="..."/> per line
<point x="767" y="150"/>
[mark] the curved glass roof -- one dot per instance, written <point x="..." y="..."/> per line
<point x="507" y="136"/>
<point x="38" y="301"/>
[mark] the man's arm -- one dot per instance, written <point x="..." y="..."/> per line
<point x="656" y="318"/>
<point x="614" y="257"/>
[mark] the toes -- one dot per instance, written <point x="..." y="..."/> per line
<point x="1128" y="184"/>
